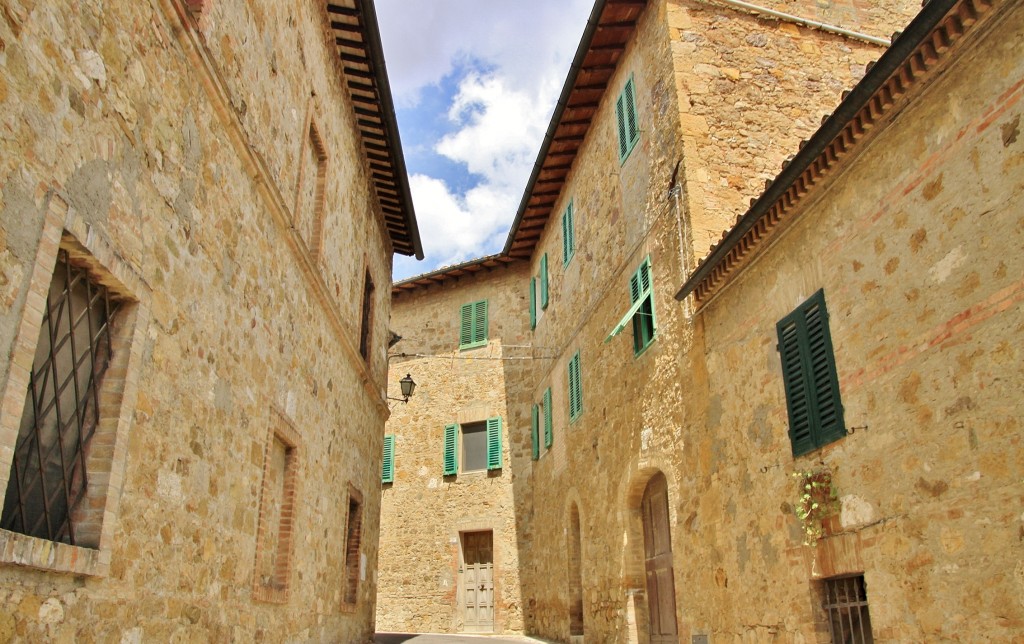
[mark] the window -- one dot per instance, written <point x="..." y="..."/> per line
<point x="575" y="388"/>
<point x="277" y="511"/>
<point x="544" y="281"/>
<point x="353" y="536"/>
<point x="387" y="474"/>
<point x="549" y="437"/>
<point x="49" y="478"/>
<point x="533" y="303"/>
<point x="809" y="373"/>
<point x="641" y="310"/>
<point x="367" y="319"/>
<point x="625" y="115"/>
<point x="846" y="607"/>
<point x="473" y="327"/>
<point x="309" y="209"/>
<point x="481" y="446"/>
<point x="535" y="432"/>
<point x="568" y="235"/>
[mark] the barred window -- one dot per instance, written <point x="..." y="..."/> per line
<point x="48" y="478"/>
<point x="846" y="605"/>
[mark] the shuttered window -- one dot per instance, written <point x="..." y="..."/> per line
<point x="575" y="388"/>
<point x="388" y="469"/>
<point x="451" y="450"/>
<point x="641" y="310"/>
<point x="535" y="432"/>
<point x="568" y="235"/>
<point x="809" y="373"/>
<point x="544" y="281"/>
<point x="625" y="115"/>
<point x="494" y="455"/>
<point x="548" y="430"/>
<point x="473" y="327"/>
<point x="533" y="303"/>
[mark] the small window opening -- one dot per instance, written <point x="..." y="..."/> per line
<point x="846" y="607"/>
<point x="474" y="447"/>
<point x="367" y="318"/>
<point x="353" y="531"/>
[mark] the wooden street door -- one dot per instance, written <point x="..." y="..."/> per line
<point x="478" y="582"/>
<point x="661" y="596"/>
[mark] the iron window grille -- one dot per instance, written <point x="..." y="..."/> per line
<point x="48" y="477"/>
<point x="846" y="606"/>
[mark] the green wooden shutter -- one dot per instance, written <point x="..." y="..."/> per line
<point x="575" y="388"/>
<point x="473" y="328"/>
<point x="480" y="323"/>
<point x="533" y="303"/>
<point x="451" y="450"/>
<point x="494" y="457"/>
<point x="535" y="432"/>
<point x="630" y="104"/>
<point x="388" y="469"/>
<point x="466" y="326"/>
<point x="809" y="374"/>
<point x="626" y="118"/>
<point x="549" y="434"/>
<point x="620" y="119"/>
<point x="544" y="281"/>
<point x="568" y="235"/>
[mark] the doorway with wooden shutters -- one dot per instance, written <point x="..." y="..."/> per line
<point x="661" y="596"/>
<point x="477" y="582"/>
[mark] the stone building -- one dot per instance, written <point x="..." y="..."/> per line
<point x="199" y="204"/>
<point x="815" y="428"/>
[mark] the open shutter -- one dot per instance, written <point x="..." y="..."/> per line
<point x="494" y="443"/>
<point x="549" y="436"/>
<point x="535" y="432"/>
<point x="823" y="371"/>
<point x="544" y="281"/>
<point x="387" y="474"/>
<point x="451" y="450"/>
<point x="630" y="106"/>
<point x="480" y="323"/>
<point x="466" y="325"/>
<point x="533" y="303"/>
<point x="620" y="118"/>
<point x="792" y="339"/>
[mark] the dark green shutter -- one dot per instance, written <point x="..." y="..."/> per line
<point x="494" y="456"/>
<point x="388" y="469"/>
<point x="575" y="388"/>
<point x="809" y="373"/>
<point x="533" y="303"/>
<point x="535" y="432"/>
<point x="549" y="434"/>
<point x="544" y="281"/>
<point x="451" y="450"/>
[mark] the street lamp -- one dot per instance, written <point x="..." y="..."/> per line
<point x="408" y="386"/>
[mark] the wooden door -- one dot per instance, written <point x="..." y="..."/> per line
<point x="661" y="595"/>
<point x="478" y="582"/>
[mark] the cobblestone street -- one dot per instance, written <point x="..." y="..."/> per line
<point x="439" y="638"/>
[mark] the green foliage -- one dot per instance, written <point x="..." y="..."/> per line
<point x="818" y="498"/>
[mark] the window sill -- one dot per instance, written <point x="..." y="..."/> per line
<point x="637" y="354"/>
<point x="477" y="345"/>
<point x="22" y="550"/>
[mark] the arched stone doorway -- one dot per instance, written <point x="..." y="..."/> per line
<point x="661" y="596"/>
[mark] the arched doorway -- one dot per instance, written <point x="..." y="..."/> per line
<point x="661" y="595"/>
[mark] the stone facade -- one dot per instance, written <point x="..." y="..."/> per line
<point x="912" y="236"/>
<point x="208" y="170"/>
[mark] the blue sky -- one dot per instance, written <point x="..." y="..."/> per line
<point x="474" y="82"/>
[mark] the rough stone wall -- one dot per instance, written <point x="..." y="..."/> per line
<point x="916" y="246"/>
<point x="114" y="109"/>
<point x="750" y="89"/>
<point x="424" y="512"/>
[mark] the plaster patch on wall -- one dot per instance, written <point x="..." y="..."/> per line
<point x="168" y="485"/>
<point x="855" y="511"/>
<point x="943" y="268"/>
<point x="132" y="636"/>
<point x="645" y="439"/>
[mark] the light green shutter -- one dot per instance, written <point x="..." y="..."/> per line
<point x="473" y="327"/>
<point x="533" y="303"/>
<point x="535" y="432"/>
<point x="494" y="456"/>
<point x="451" y="450"/>
<point x="480" y="323"/>
<point x="549" y="436"/>
<point x="568" y="235"/>
<point x="466" y="326"/>
<point x="575" y="388"/>
<point x="544" y="281"/>
<point x="626" y="117"/>
<point x="620" y="119"/>
<point x="388" y="469"/>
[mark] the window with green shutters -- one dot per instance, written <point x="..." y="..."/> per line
<point x="387" y="474"/>
<point x="533" y="303"/>
<point x="544" y="281"/>
<point x="625" y="115"/>
<point x="641" y="310"/>
<point x="549" y="436"/>
<point x="809" y="374"/>
<point x="535" y="432"/>
<point x="482" y="446"/>
<point x="575" y="388"/>
<point x="473" y="327"/>
<point x="568" y="235"/>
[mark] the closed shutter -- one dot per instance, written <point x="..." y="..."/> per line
<point x="620" y="119"/>
<point x="451" y="450"/>
<point x="575" y="388"/>
<point x="568" y="235"/>
<point x="630" y="103"/>
<point x="533" y="303"/>
<point x="823" y="371"/>
<point x="544" y="281"/>
<point x="388" y="469"/>
<point x="494" y="456"/>
<point x="473" y="327"/>
<point x="480" y="328"/>
<point x="626" y="118"/>
<point x="535" y="432"/>
<point x="466" y="325"/>
<point x="549" y="434"/>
